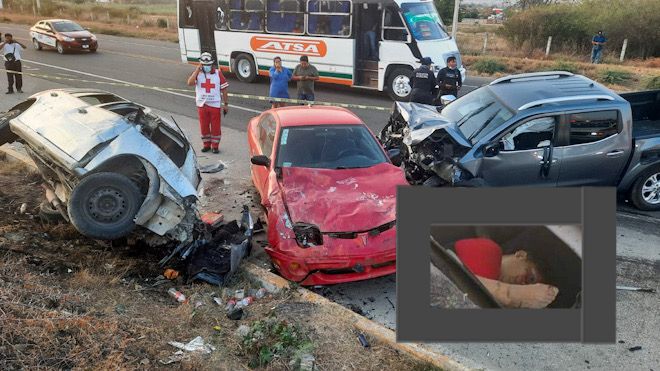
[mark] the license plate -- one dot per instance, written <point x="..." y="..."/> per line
<point x="85" y="46"/>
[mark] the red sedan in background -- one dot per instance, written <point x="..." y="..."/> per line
<point x="329" y="190"/>
<point x="63" y="35"/>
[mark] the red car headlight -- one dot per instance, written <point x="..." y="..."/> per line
<point x="307" y="235"/>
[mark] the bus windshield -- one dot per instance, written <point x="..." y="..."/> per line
<point x="423" y="21"/>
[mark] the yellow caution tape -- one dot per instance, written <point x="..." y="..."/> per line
<point x="234" y="95"/>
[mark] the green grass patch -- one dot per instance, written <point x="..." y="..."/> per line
<point x="653" y="83"/>
<point x="614" y="76"/>
<point x="273" y="339"/>
<point x="489" y="66"/>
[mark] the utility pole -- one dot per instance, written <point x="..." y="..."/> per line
<point x="454" y="24"/>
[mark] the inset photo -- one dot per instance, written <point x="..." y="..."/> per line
<point x="506" y="266"/>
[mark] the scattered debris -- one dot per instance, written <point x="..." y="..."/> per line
<point x="239" y="294"/>
<point x="217" y="300"/>
<point x="363" y="340"/>
<point x="629" y="288"/>
<point x="23" y="208"/>
<point x="213" y="219"/>
<point x="261" y="293"/>
<point x="212" y="168"/>
<point x="245" y="302"/>
<point x="621" y="342"/>
<point x="217" y="328"/>
<point x="171" y="274"/>
<point x="195" y="345"/>
<point x="177" y="295"/>
<point x="635" y="348"/>
<point x="236" y="314"/>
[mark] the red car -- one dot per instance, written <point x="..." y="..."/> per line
<point x="63" y="35"/>
<point x="329" y="190"/>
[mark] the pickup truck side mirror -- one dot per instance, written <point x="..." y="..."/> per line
<point x="260" y="160"/>
<point x="395" y="156"/>
<point x="491" y="149"/>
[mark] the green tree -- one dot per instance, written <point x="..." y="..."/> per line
<point x="446" y="11"/>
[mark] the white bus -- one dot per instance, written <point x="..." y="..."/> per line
<point x="245" y="35"/>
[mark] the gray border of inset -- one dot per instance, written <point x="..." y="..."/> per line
<point x="593" y="208"/>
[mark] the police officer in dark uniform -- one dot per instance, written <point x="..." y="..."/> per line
<point x="423" y="83"/>
<point x="449" y="78"/>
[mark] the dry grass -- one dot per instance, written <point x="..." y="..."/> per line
<point x="72" y="303"/>
<point x="638" y="80"/>
<point x="145" y="27"/>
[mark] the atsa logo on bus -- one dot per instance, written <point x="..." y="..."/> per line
<point x="312" y="48"/>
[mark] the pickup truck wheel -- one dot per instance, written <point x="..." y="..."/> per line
<point x="36" y="44"/>
<point x="645" y="193"/>
<point x="103" y="206"/>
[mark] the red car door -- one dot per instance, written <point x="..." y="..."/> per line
<point x="262" y="143"/>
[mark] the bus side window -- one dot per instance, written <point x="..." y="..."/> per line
<point x="393" y="27"/>
<point x="187" y="14"/>
<point x="285" y="16"/>
<point x="246" y="15"/>
<point x="329" y="18"/>
<point x="221" y="15"/>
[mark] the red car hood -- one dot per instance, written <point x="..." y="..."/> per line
<point x="77" y="34"/>
<point x="350" y="200"/>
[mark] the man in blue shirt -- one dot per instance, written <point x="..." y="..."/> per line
<point x="597" y="51"/>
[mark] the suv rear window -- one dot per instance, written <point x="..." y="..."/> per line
<point x="589" y="127"/>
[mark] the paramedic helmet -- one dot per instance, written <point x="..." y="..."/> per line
<point x="206" y="59"/>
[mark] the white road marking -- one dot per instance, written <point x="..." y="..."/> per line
<point x="130" y="83"/>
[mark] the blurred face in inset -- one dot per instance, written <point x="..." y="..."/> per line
<point x="8" y="38"/>
<point x="452" y="63"/>
<point x="277" y="62"/>
<point x="518" y="269"/>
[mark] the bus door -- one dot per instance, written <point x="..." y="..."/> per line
<point x="197" y="21"/>
<point x="367" y="26"/>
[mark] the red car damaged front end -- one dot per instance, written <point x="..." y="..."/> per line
<point x="333" y="226"/>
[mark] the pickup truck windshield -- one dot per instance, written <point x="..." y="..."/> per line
<point x="477" y="114"/>
<point x="423" y="21"/>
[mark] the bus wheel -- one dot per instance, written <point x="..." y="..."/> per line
<point x="398" y="84"/>
<point x="244" y="68"/>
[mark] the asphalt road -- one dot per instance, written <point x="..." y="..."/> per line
<point x="155" y="63"/>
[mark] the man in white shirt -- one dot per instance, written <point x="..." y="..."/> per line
<point x="210" y="92"/>
<point x="11" y="52"/>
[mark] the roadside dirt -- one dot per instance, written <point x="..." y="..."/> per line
<point x="70" y="302"/>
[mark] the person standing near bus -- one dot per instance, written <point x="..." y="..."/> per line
<point x="279" y="82"/>
<point x="305" y="74"/>
<point x="449" y="78"/>
<point x="423" y="83"/>
<point x="210" y="94"/>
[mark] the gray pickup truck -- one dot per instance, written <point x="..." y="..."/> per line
<point x="537" y="129"/>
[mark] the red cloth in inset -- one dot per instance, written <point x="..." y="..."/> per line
<point x="482" y="256"/>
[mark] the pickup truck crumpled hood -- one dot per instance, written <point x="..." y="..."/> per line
<point x="350" y="200"/>
<point x="72" y="125"/>
<point x="423" y="120"/>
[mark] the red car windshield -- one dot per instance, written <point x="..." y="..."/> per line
<point x="67" y="27"/>
<point x="329" y="147"/>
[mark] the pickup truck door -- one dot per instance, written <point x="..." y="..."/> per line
<point x="594" y="148"/>
<point x="525" y="156"/>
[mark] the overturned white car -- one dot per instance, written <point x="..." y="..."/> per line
<point x="109" y="164"/>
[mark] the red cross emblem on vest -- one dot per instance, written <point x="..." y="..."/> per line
<point x="208" y="85"/>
